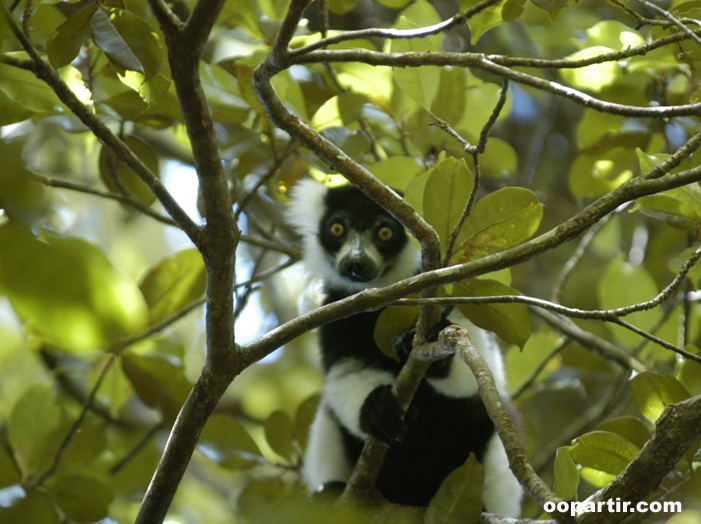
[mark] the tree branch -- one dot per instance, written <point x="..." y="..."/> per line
<point x="484" y="62"/>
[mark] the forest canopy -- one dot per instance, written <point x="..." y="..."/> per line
<point x="151" y="290"/>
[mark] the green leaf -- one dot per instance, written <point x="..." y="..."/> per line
<point x="82" y="498"/>
<point x="278" y="433"/>
<point x="27" y="91"/>
<point x="119" y="178"/>
<point x="65" y="43"/>
<point x="512" y="10"/>
<point x="394" y="4"/>
<point x="521" y="363"/>
<point x="500" y="220"/>
<point x="628" y="427"/>
<point x="566" y="474"/>
<point x="390" y="322"/>
<point x="225" y="441"/>
<point x="447" y="191"/>
<point x="675" y="265"/>
<point x="33" y="506"/>
<point x="372" y="81"/>
<point x="397" y="171"/>
<point x="654" y="392"/>
<point x="127" y="40"/>
<point x="594" y="77"/>
<point x="340" y="110"/>
<point x="623" y="284"/>
<point x="510" y="321"/>
<point x="459" y="499"/>
<point x="8" y="472"/>
<point x="32" y="430"/>
<point x="341" y="7"/>
<point x="66" y="291"/>
<point x="173" y="283"/>
<point x="484" y="20"/>
<point x="690" y="372"/>
<point x="420" y="83"/>
<point x="603" y="451"/>
<point x="303" y="420"/>
<point x="499" y="158"/>
<point x="449" y="102"/>
<point x="157" y="381"/>
<point x="592" y="176"/>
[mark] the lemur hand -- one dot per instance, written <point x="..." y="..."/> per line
<point x="381" y="417"/>
<point x="402" y="344"/>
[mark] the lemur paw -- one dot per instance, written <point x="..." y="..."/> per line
<point x="402" y="344"/>
<point x="381" y="417"/>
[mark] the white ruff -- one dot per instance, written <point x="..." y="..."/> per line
<point x="502" y="492"/>
<point x="460" y="382"/>
<point x="348" y="384"/>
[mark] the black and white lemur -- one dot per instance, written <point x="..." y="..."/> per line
<point x="353" y="244"/>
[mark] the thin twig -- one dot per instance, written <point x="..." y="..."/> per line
<point x="540" y="367"/>
<point x="76" y="424"/>
<point x="666" y="14"/>
<point x="134" y="451"/>
<point x="579" y="252"/>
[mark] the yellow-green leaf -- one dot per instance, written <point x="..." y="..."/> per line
<point x="459" y="498"/>
<point x="654" y="392"/>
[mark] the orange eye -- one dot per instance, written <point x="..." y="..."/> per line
<point x="385" y="234"/>
<point x="337" y="229"/>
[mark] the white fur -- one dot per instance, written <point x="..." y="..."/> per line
<point x="460" y="382"/>
<point x="502" y="492"/>
<point x="304" y="213"/>
<point x="325" y="459"/>
<point x="348" y="384"/>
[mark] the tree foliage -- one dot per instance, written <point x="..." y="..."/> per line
<point x="547" y="152"/>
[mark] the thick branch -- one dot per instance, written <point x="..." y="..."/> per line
<point x="481" y="61"/>
<point x="397" y="33"/>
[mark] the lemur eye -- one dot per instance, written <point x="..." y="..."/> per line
<point x="385" y="233"/>
<point x="337" y="229"/>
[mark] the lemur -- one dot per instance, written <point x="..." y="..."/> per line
<point x="353" y="244"/>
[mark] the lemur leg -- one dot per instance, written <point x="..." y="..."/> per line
<point x="502" y="492"/>
<point x="349" y="383"/>
<point x="325" y="459"/>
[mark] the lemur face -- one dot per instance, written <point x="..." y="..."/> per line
<point x="350" y="242"/>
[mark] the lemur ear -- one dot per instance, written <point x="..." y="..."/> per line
<point x="306" y="206"/>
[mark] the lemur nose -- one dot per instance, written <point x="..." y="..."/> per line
<point x="358" y="268"/>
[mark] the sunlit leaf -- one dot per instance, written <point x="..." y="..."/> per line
<point x="566" y="475"/>
<point x="66" y="291"/>
<point x="510" y="321"/>
<point x="420" y="83"/>
<point x="64" y="45"/>
<point x="603" y="451"/>
<point x="446" y="194"/>
<point x="654" y="392"/>
<point x="690" y="372"/>
<point x="174" y="283"/>
<point x="484" y="20"/>
<point x="128" y="41"/>
<point x="501" y="219"/>
<point x="593" y="77"/>
<point x="592" y="176"/>
<point x="628" y="427"/>
<point x="27" y="91"/>
<point x="397" y="171"/>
